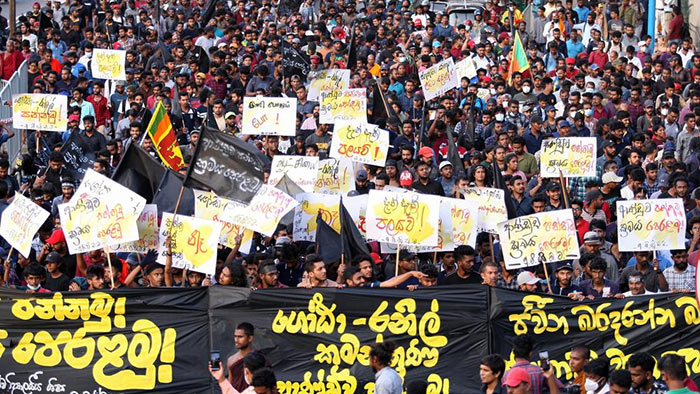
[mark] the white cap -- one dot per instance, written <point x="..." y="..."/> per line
<point x="527" y="277"/>
<point x="609" y="177"/>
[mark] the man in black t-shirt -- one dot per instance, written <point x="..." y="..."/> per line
<point x="465" y="256"/>
<point x="55" y="280"/>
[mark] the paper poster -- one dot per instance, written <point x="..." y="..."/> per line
<point x="403" y="218"/>
<point x="209" y="206"/>
<point x="193" y="242"/>
<point x="492" y="207"/>
<point x="20" y="222"/>
<point x="438" y="79"/>
<point x="310" y="204"/>
<point x="302" y="170"/>
<point x="335" y="176"/>
<point x="109" y="64"/>
<point x="465" y="214"/>
<point x="644" y="225"/>
<point x="327" y="80"/>
<point x="264" y="211"/>
<point x="541" y="237"/>
<point x="269" y="116"/>
<point x="147" y="224"/>
<point x="357" y="208"/>
<point x="40" y="112"/>
<point x="343" y="105"/>
<point x="101" y="213"/>
<point x="361" y="142"/>
<point x="574" y="156"/>
<point x="465" y="69"/>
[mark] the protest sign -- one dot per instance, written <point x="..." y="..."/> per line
<point x="651" y="224"/>
<point x="543" y="237"/>
<point x="40" y="112"/>
<point x="357" y="208"/>
<point x="574" y="156"/>
<point x="226" y="165"/>
<point x="465" y="69"/>
<point x="147" y="224"/>
<point x="343" y="105"/>
<point x="193" y="242"/>
<point x="492" y="207"/>
<point x="361" y="142"/>
<point x="335" y="176"/>
<point x="109" y="64"/>
<point x="269" y="116"/>
<point x="465" y="215"/>
<point x="209" y="206"/>
<point x="264" y="211"/>
<point x="403" y="218"/>
<point x="327" y="80"/>
<point x="101" y="213"/>
<point x="20" y="222"/>
<point x="302" y="170"/>
<point x="310" y="204"/>
<point x="438" y="79"/>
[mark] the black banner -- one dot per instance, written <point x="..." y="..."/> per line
<point x="75" y="160"/>
<point x="129" y="341"/>
<point x="226" y="165"/>
<point x="294" y="62"/>
<point x="318" y="340"/>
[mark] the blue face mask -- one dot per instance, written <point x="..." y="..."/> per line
<point x="588" y="112"/>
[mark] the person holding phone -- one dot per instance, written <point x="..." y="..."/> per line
<point x="252" y="363"/>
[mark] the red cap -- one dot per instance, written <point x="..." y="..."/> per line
<point x="503" y="36"/>
<point x="515" y="376"/>
<point x="56" y="237"/>
<point x="74" y="118"/>
<point x="425" y="152"/>
<point x="570" y="60"/>
<point x="417" y="23"/>
<point x="406" y="179"/>
<point x="376" y="257"/>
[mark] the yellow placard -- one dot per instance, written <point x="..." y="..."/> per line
<point x="573" y="156"/>
<point x="403" y="218"/>
<point x="193" y="242"/>
<point x="109" y="64"/>
<point x="539" y="238"/>
<point x="40" y="112"/>
<point x="310" y="204"/>
<point x="326" y="81"/>
<point x="361" y="142"/>
<point x="264" y="212"/>
<point x="209" y="206"/>
<point x="492" y="207"/>
<point x="651" y="224"/>
<point x="438" y="79"/>
<point x="335" y="176"/>
<point x="343" y="105"/>
<point x="20" y="222"/>
<point x="465" y="214"/>
<point x="147" y="224"/>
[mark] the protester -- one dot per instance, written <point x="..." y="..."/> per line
<point x="386" y="380"/>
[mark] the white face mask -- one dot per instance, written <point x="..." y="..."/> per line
<point x="248" y="382"/>
<point x="589" y="90"/>
<point x="591" y="386"/>
<point x="572" y="114"/>
<point x="493" y="92"/>
<point x="664" y="111"/>
<point x="33" y="288"/>
<point x="526" y="89"/>
<point x="402" y="59"/>
<point x="500" y="117"/>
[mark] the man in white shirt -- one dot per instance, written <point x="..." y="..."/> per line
<point x="386" y="379"/>
<point x="206" y="41"/>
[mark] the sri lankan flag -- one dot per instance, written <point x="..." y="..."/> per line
<point x="518" y="59"/>
<point x="161" y="132"/>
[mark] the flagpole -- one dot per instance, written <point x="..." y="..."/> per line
<point x="396" y="269"/>
<point x="109" y="263"/>
<point x="546" y="275"/>
<point x="563" y="190"/>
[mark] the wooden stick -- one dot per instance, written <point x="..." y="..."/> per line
<point x="546" y="275"/>
<point x="434" y="257"/>
<point x="493" y="251"/>
<point x="564" y="191"/>
<point x="396" y="269"/>
<point x="109" y="262"/>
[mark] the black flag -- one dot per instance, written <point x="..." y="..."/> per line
<point x="76" y="161"/>
<point x="499" y="183"/>
<point x="352" y="243"/>
<point x="453" y="155"/>
<point x="352" y="51"/>
<point x="327" y="241"/>
<point x="139" y="172"/>
<point x="167" y="193"/>
<point x="226" y="165"/>
<point x="295" y="62"/>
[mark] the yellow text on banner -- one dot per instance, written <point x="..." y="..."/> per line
<point x="109" y="64"/>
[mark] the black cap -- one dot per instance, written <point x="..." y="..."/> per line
<point x="564" y="266"/>
<point x="406" y="255"/>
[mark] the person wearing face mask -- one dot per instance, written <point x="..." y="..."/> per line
<point x="252" y="363"/>
<point x="597" y="376"/>
<point x="526" y="97"/>
<point x="681" y="276"/>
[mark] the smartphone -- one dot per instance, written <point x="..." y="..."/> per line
<point x="544" y="360"/>
<point x="215" y="360"/>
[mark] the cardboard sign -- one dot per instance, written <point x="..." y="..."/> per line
<point x="335" y="176"/>
<point x="465" y="68"/>
<point x="264" y="211"/>
<point x="574" y="156"/>
<point x="193" y="242"/>
<point x="403" y="218"/>
<point x="326" y="81"/>
<point x="269" y="116"/>
<point x="543" y="237"/>
<point x="310" y="204"/>
<point x="109" y="64"/>
<point x="438" y="79"/>
<point x="492" y="207"/>
<point x="303" y="170"/>
<point x="20" y="221"/>
<point x="644" y="225"/>
<point x="147" y="224"/>
<point x="347" y="105"/>
<point x="465" y="215"/>
<point x="209" y="206"/>
<point x="357" y="208"/>
<point x="40" y="112"/>
<point x="361" y="142"/>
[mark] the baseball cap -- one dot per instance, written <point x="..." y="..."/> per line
<point x="526" y="277"/>
<point x="390" y="163"/>
<point x="54" y="257"/>
<point x="444" y="164"/>
<point x="564" y="123"/>
<point x="550" y="108"/>
<point x="361" y="175"/>
<point x="648" y="103"/>
<point x="592" y="238"/>
<point x="609" y="177"/>
<point x="565" y="266"/>
<point x="406" y="255"/>
<point x="56" y="237"/>
<point x="594" y="66"/>
<point x="229" y="114"/>
<point x="607" y="143"/>
<point x="552" y="186"/>
<point x="696" y="194"/>
<point x="668" y="153"/>
<point x="406" y="179"/>
<point x="664" y="179"/>
<point x="281" y="241"/>
<point x="74" y="118"/>
<point x="425" y="152"/>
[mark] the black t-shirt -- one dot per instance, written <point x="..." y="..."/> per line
<point x="57" y="284"/>
<point x="455" y="279"/>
